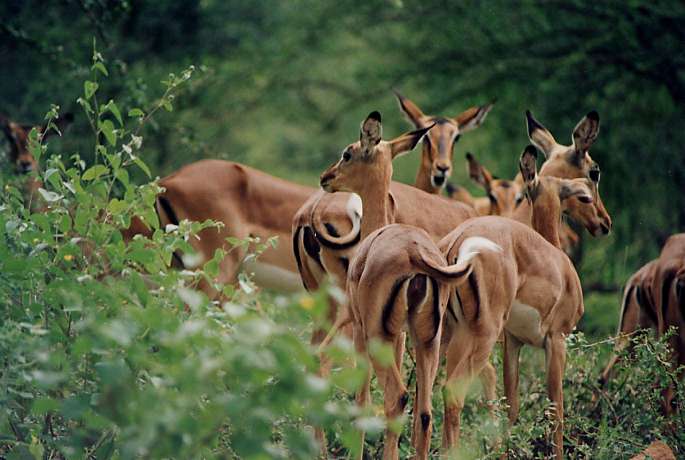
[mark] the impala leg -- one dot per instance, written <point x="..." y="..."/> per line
<point x="324" y="371"/>
<point x="512" y="350"/>
<point x="395" y="397"/>
<point x="555" y="350"/>
<point x="363" y="397"/>
<point x="488" y="378"/>
<point x="467" y="355"/>
<point x="427" y="362"/>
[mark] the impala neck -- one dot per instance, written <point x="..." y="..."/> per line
<point x="377" y="208"/>
<point x="546" y="218"/>
<point x="423" y="176"/>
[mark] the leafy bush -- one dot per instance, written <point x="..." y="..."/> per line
<point x="106" y="353"/>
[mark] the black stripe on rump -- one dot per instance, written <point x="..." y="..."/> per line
<point x="389" y="305"/>
<point x="337" y="246"/>
<point x="626" y="301"/>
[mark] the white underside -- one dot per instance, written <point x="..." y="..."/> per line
<point x="273" y="277"/>
<point x="525" y="324"/>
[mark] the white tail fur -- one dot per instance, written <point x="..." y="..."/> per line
<point x="474" y="245"/>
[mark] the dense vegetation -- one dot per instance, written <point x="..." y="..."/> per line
<point x="107" y="353"/>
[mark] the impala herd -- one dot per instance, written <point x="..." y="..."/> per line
<point x="457" y="273"/>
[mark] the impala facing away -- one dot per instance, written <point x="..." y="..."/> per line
<point x="530" y="291"/>
<point x="638" y="311"/>
<point x="398" y="276"/>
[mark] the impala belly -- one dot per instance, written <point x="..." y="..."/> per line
<point x="525" y="324"/>
<point x="273" y="277"/>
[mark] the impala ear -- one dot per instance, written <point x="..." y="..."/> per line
<point x="578" y="188"/>
<point x="586" y="131"/>
<point x="410" y="110"/>
<point x="473" y="117"/>
<point x="528" y="165"/>
<point x="539" y="135"/>
<point x="371" y="131"/>
<point x="477" y="172"/>
<point x="5" y="126"/>
<point x="407" y="141"/>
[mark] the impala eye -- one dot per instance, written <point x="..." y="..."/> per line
<point x="346" y="156"/>
<point x="519" y="198"/>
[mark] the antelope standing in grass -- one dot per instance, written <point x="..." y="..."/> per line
<point x="503" y="196"/>
<point x="569" y="162"/>
<point x="638" y="311"/>
<point x="397" y="276"/>
<point x="530" y="291"/>
<point x="654" y="298"/>
<point x="22" y="159"/>
<point x="668" y="289"/>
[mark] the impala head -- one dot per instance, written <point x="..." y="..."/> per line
<point x="576" y="198"/>
<point x="504" y="195"/>
<point x="439" y="142"/>
<point x="18" y="138"/>
<point x="368" y="161"/>
<point x="571" y="161"/>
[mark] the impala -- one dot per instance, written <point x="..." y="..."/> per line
<point x="668" y="289"/>
<point x="654" y="298"/>
<point x="320" y="249"/>
<point x="530" y="291"/>
<point x="570" y="161"/>
<point x="398" y="276"/>
<point x="22" y="160"/>
<point x="438" y="145"/>
<point x="503" y="196"/>
<point x="638" y="311"/>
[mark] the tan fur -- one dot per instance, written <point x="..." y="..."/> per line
<point x="531" y="292"/>
<point x="248" y="202"/>
<point x="668" y="290"/>
<point x="23" y="160"/>
<point x="658" y="450"/>
<point x="438" y="146"/>
<point x="570" y="162"/>
<point x="503" y="195"/>
<point x="384" y="267"/>
<point x="637" y="311"/>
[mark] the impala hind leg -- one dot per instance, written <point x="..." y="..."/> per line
<point x="395" y="398"/>
<point x="488" y="378"/>
<point x="363" y="396"/>
<point x="555" y="355"/>
<point x="468" y="353"/>
<point x="427" y="362"/>
<point x="511" y="352"/>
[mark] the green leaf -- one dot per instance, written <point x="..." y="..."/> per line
<point x="136" y="113"/>
<point x="115" y="111"/>
<point x="48" y="196"/>
<point x="95" y="172"/>
<point x="107" y="128"/>
<point x="141" y="164"/>
<point x="89" y="88"/>
<point x="100" y="67"/>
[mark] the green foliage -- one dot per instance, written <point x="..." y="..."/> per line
<point x="106" y="353"/>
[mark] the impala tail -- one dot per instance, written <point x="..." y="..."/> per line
<point x="461" y="269"/>
<point x="327" y="235"/>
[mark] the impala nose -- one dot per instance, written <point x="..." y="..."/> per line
<point x="25" y="166"/>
